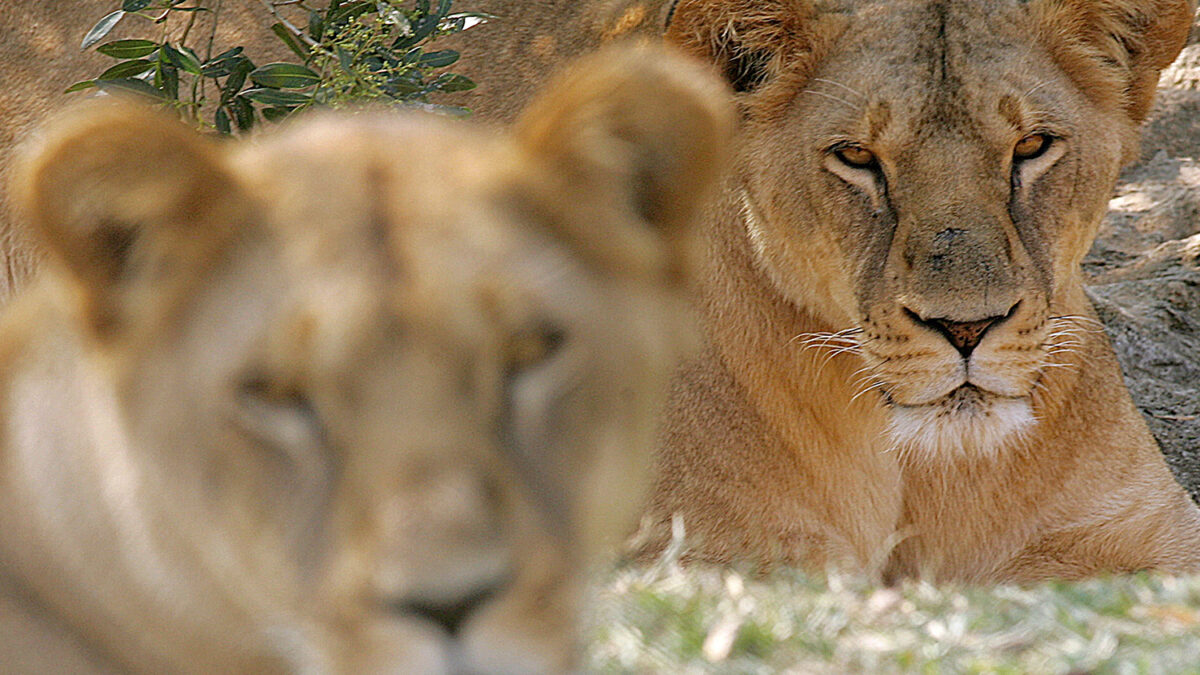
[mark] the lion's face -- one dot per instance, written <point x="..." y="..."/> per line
<point x="924" y="178"/>
<point x="408" y="389"/>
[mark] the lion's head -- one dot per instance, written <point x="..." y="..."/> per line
<point x="924" y="178"/>
<point x="364" y="394"/>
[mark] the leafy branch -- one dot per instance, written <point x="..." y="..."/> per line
<point x="349" y="51"/>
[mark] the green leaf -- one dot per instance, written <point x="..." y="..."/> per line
<point x="452" y="82"/>
<point x="288" y="39"/>
<point x="276" y="97"/>
<point x="243" y="113"/>
<point x="276" y="114"/>
<point x="438" y="59"/>
<point x="128" y="49"/>
<point x="347" y="13"/>
<point x="126" y="69"/>
<point x="284" y="76"/>
<point x="130" y="85"/>
<point x="316" y="25"/>
<point x="224" y="63"/>
<point x="181" y="59"/>
<point x="226" y="55"/>
<point x="237" y="78"/>
<point x="345" y="61"/>
<point x="135" y="5"/>
<point x="221" y="121"/>
<point x="86" y="84"/>
<point x="167" y="80"/>
<point x="102" y="27"/>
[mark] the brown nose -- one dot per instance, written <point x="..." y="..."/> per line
<point x="964" y="335"/>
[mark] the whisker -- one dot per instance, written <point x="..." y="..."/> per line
<point x="839" y="84"/>
<point x="832" y="97"/>
<point x="877" y="385"/>
<point x="1080" y="322"/>
<point x="1035" y="87"/>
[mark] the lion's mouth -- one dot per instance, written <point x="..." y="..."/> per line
<point x="968" y="420"/>
<point x="967" y="399"/>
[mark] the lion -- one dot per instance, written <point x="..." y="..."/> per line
<point x="903" y="375"/>
<point x="351" y="397"/>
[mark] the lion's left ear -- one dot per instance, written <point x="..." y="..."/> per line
<point x="129" y="203"/>
<point x="636" y="131"/>
<point x="1115" y="48"/>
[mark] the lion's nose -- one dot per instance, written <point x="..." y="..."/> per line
<point x="964" y="335"/>
<point x="451" y="613"/>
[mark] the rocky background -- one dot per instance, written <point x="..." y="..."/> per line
<point x="1144" y="270"/>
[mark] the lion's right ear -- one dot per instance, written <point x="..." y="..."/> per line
<point x="128" y="202"/>
<point x="750" y="41"/>
<point x="629" y="142"/>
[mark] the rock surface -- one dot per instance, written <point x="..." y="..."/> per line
<point x="1144" y="269"/>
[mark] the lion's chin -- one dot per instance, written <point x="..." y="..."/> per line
<point x="965" y="422"/>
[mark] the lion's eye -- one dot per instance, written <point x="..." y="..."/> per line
<point x="531" y="346"/>
<point x="1031" y="146"/>
<point x="281" y="416"/>
<point x="857" y="157"/>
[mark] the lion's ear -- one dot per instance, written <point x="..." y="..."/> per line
<point x="1115" y="49"/>
<point x="630" y="141"/>
<point x="750" y="41"/>
<point x="127" y="202"/>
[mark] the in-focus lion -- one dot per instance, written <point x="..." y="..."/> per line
<point x="903" y="373"/>
<point x="354" y="397"/>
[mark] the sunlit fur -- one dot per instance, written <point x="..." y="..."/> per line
<point x="833" y="419"/>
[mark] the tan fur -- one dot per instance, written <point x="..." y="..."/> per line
<point x="829" y="421"/>
<point x="287" y="405"/>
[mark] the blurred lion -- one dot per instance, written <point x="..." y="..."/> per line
<point x="365" y="395"/>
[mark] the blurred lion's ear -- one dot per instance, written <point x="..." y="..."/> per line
<point x="127" y="201"/>
<point x="637" y="131"/>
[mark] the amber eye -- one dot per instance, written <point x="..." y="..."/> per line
<point x="857" y="157"/>
<point x="1031" y="146"/>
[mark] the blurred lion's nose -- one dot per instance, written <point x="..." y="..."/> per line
<point x="450" y="613"/>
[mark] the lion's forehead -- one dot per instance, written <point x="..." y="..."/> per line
<point x="405" y="220"/>
<point x="405" y="192"/>
<point x="941" y="60"/>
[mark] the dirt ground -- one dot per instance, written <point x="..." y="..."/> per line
<point x="1145" y="269"/>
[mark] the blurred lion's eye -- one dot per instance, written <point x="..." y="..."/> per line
<point x="280" y="416"/>
<point x="1031" y="146"/>
<point x="531" y="346"/>
<point x="857" y="157"/>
